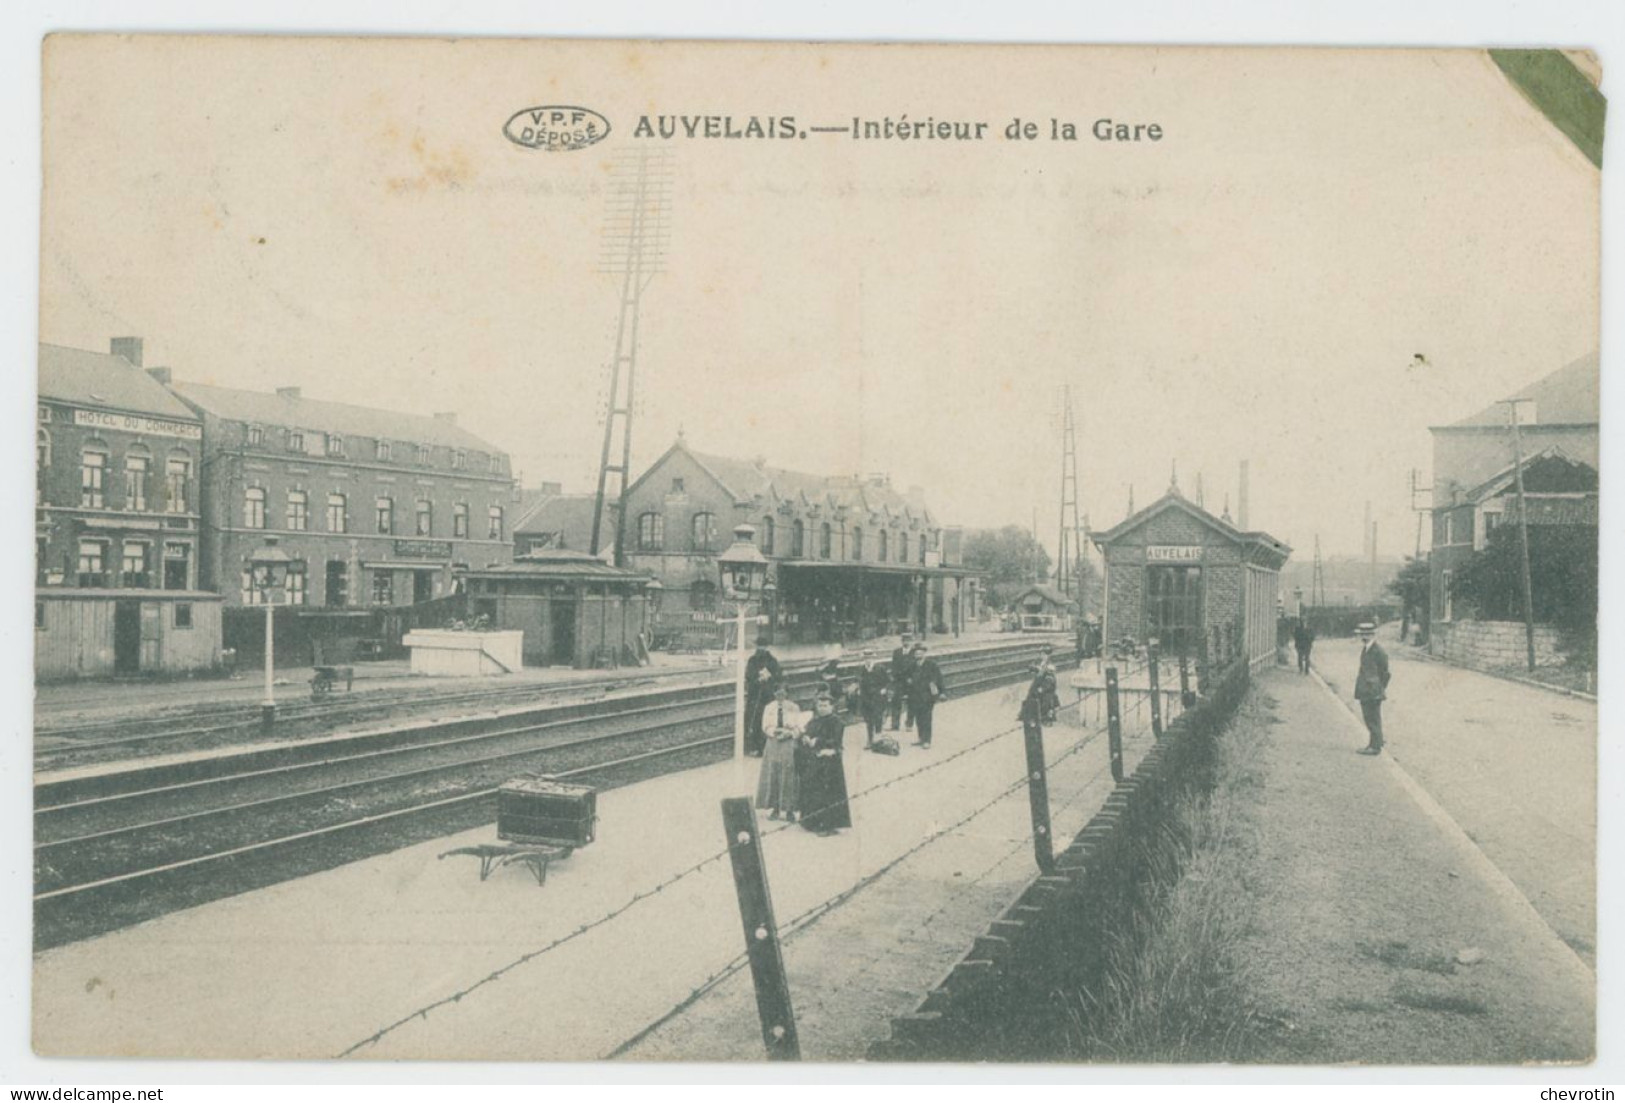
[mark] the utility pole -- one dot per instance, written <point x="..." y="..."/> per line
<point x="1523" y="535"/>
<point x="1418" y="510"/>
<point x="1317" y="581"/>
<point x="634" y="248"/>
<point x="1068" y="577"/>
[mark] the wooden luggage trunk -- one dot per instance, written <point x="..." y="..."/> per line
<point x="540" y="810"/>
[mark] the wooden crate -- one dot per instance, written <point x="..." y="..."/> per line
<point x="537" y="809"/>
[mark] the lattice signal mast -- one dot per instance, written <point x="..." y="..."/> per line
<point x="1067" y="568"/>
<point x="1317" y="582"/>
<point x="637" y="232"/>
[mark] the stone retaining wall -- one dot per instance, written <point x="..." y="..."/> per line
<point x="1488" y="644"/>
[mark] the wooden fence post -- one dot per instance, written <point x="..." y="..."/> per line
<point x="1114" y="724"/>
<point x="1038" y="792"/>
<point x="761" y="932"/>
<point x="1186" y="697"/>
<point x="1156" y="691"/>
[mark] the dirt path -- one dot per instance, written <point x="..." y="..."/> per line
<point x="1381" y="935"/>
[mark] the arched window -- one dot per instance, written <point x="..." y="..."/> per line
<point x="254" y="507"/>
<point x="298" y="510"/>
<point x="798" y="537"/>
<point x="702" y="596"/>
<point x="702" y="531"/>
<point x="825" y="544"/>
<point x="177" y="478"/>
<point x="137" y="466"/>
<point x="885" y="545"/>
<point x="857" y="543"/>
<point x="93" y="476"/>
<point x="767" y="535"/>
<point x="902" y="548"/>
<point x="425" y="517"/>
<point x="133" y="565"/>
<point x="386" y="515"/>
<point x="651" y="531"/>
<point x="338" y="518"/>
<point x="922" y="549"/>
<point x="494" y="524"/>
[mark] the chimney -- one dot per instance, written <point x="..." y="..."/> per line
<point x="127" y="347"/>
<point x="1241" y="497"/>
<point x="162" y="375"/>
<point x="287" y="392"/>
<point x="448" y="417"/>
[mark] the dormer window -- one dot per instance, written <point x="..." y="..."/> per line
<point x="335" y="444"/>
<point x="496" y="464"/>
<point x="382" y="449"/>
<point x="459" y="458"/>
<point x="256" y="435"/>
<point x="296" y="440"/>
<point x="423" y="454"/>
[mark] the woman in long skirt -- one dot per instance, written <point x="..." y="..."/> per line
<point x="820" y="775"/>
<point x="776" y="787"/>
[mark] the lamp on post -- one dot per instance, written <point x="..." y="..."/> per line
<point x="744" y="573"/>
<point x="269" y="567"/>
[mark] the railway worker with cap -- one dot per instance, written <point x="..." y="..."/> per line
<point x="873" y="693"/>
<point x="762" y="677"/>
<point x="925" y="690"/>
<point x="776" y="786"/>
<point x="1371" y="685"/>
<point x="902" y="677"/>
<point x="820" y="774"/>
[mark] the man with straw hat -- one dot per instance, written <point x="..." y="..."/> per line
<point x="1371" y="685"/>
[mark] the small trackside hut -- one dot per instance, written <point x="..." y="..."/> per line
<point x="574" y="609"/>
<point x="1191" y="581"/>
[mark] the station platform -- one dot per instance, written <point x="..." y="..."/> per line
<point x="410" y="956"/>
<point x="65" y="704"/>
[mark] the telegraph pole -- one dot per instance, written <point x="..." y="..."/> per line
<point x="1523" y="535"/>
<point x="1068" y="575"/>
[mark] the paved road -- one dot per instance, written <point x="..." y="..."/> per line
<point x="1514" y="765"/>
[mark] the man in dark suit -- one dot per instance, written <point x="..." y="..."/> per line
<point x="762" y="675"/>
<point x="902" y="677"/>
<point x="925" y="691"/>
<point x="1303" y="639"/>
<point x="1371" y="685"/>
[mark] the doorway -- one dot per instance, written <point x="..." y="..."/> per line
<point x="422" y="587"/>
<point x="126" y="637"/>
<point x="563" y="649"/>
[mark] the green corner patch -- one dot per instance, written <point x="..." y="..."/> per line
<point x="1559" y="91"/>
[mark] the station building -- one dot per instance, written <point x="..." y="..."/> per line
<point x="852" y="558"/>
<point x="116" y="521"/>
<point x="1179" y="575"/>
<point x="376" y="508"/>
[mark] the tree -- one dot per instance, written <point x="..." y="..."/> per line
<point x="1009" y="558"/>
<point x="1413" y="586"/>
<point x="1563" y="573"/>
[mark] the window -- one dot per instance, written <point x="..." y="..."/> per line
<point x="254" y="508"/>
<point x="337" y="518"/>
<point x="1447" y="605"/>
<point x="651" y="531"/>
<point x="92" y="478"/>
<point x="857" y="543"/>
<point x="459" y="520"/>
<point x="257" y="585"/>
<point x="296" y="588"/>
<point x="767" y="535"/>
<point x="177" y="473"/>
<point x="256" y="435"/>
<point x="134" y="565"/>
<point x="381" y="449"/>
<point x="298" y="510"/>
<point x="1173" y="612"/>
<point x="885" y="544"/>
<point x="42" y="463"/>
<point x="922" y="549"/>
<point x="1449" y="531"/>
<point x="496" y="464"/>
<point x="798" y="537"/>
<point x="459" y="458"/>
<point x="250" y="593"/>
<point x="425" y="515"/>
<point x="39" y="614"/>
<point x="183" y="614"/>
<point x="91" y="563"/>
<point x="702" y="596"/>
<point x="335" y="444"/>
<point x="386" y="516"/>
<point x="677" y="484"/>
<point x="702" y="530"/>
<point x="137" y="463"/>
<point x="902" y="548"/>
<point x="338" y="583"/>
<point x="825" y="541"/>
<point x="383" y="588"/>
<point x="423" y="454"/>
<point x="494" y="525"/>
<point x="296" y="440"/>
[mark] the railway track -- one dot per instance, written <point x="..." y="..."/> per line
<point x="118" y="847"/>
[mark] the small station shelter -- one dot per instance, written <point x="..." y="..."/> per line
<point x="1042" y="608"/>
<point x="574" y="609"/>
<point x="1179" y="575"/>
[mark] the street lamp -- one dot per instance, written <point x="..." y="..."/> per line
<point x="269" y="567"/>
<point x="744" y="572"/>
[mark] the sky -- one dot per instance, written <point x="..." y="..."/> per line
<point x="348" y="218"/>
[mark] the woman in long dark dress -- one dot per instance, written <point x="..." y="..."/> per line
<point x="820" y="774"/>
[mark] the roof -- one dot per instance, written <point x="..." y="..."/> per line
<point x="1555" y="509"/>
<point x="1568" y="396"/>
<point x="747" y="479"/>
<point x="570" y="514"/>
<point x="1550" y="468"/>
<point x="102" y="379"/>
<point x="1048" y="593"/>
<point x="261" y="408"/>
<point x="1175" y="500"/>
<point x="554" y="565"/>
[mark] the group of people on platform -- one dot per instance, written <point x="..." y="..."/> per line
<point x="803" y="776"/>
